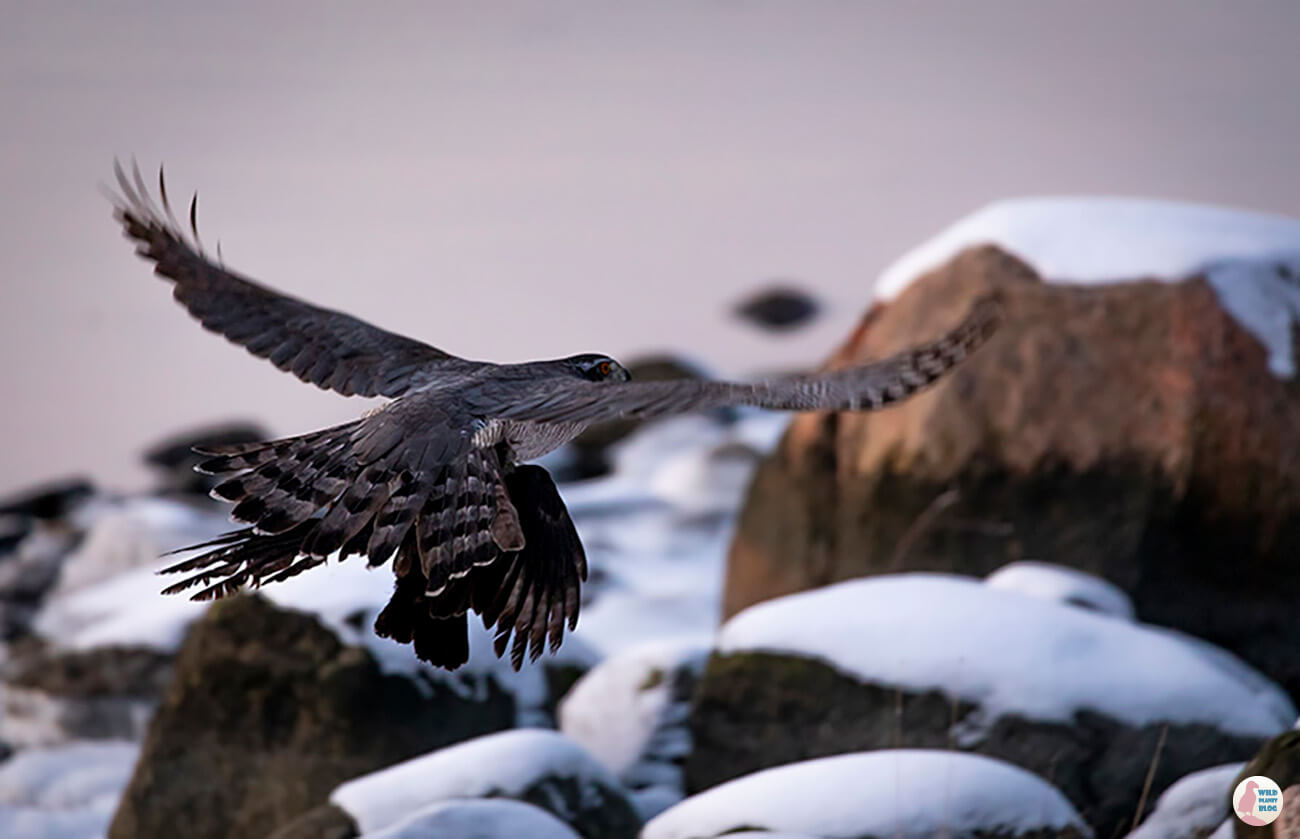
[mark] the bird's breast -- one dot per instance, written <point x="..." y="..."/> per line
<point x="529" y="440"/>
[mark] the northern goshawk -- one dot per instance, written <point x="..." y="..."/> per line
<point x="436" y="479"/>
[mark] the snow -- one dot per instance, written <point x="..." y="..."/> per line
<point x="65" y="792"/>
<point x="625" y="713"/>
<point x="1251" y="259"/>
<point x="495" y="819"/>
<point x="1012" y="654"/>
<point x="502" y="764"/>
<point x="1063" y="585"/>
<point x="882" y="793"/>
<point x="1197" y="802"/>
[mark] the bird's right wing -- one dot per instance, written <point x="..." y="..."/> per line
<point x="329" y="349"/>
<point x="861" y="388"/>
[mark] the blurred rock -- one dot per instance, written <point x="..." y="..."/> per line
<point x="1193" y="808"/>
<point x="30" y="571"/>
<point x="52" y="696"/>
<point x="542" y="768"/>
<point x="37" y="532"/>
<point x="778" y="309"/>
<point x="174" y="459"/>
<point x="267" y="712"/>
<point x="324" y="822"/>
<point x="53" y="500"/>
<point x="1132" y="430"/>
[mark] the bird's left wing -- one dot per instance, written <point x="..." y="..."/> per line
<point x="329" y="349"/>
<point x="856" y="388"/>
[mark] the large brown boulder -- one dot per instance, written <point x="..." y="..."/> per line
<point x="1131" y="430"/>
<point x="267" y="712"/>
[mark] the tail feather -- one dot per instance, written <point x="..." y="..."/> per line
<point x="462" y="535"/>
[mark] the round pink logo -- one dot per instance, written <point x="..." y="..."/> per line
<point x="1257" y="801"/>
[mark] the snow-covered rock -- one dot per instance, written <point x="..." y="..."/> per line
<point x="63" y="792"/>
<point x="1251" y="259"/>
<point x="896" y="793"/>
<point x="1193" y="807"/>
<point x="1063" y="585"/>
<point x="481" y="819"/>
<point x="630" y="712"/>
<point x="1133" y="418"/>
<point x="268" y="712"/>
<point x="1010" y="653"/>
<point x="540" y="767"/>
<point x="932" y="661"/>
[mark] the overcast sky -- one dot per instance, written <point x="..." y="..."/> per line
<point x="516" y="181"/>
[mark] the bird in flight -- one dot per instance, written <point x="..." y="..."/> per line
<point x="438" y="479"/>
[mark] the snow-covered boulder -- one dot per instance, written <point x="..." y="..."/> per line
<point x="886" y="793"/>
<point x="1194" y="807"/>
<point x="268" y="711"/>
<point x="495" y="819"/>
<point x="63" y="792"/>
<point x="1135" y="417"/>
<point x="630" y="712"/>
<point x="540" y="767"/>
<point x="930" y="660"/>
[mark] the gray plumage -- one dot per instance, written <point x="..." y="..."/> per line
<point x="434" y="479"/>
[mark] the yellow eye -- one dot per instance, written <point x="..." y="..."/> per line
<point x="604" y="368"/>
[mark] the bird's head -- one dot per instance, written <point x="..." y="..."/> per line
<point x="596" y="368"/>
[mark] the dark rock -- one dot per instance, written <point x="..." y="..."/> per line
<point x="757" y="710"/>
<point x="778" y="309"/>
<point x="324" y="822"/>
<point x="1278" y="759"/>
<point x="13" y="529"/>
<point x="267" y="712"/>
<point x="174" y="457"/>
<point x="54" y="695"/>
<point x="1132" y="430"/>
<point x="53" y="500"/>
<point x="31" y="570"/>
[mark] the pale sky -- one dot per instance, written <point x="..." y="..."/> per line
<point x="524" y="180"/>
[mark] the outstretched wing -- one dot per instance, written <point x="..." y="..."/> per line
<point x="329" y="349"/>
<point x="856" y="388"/>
